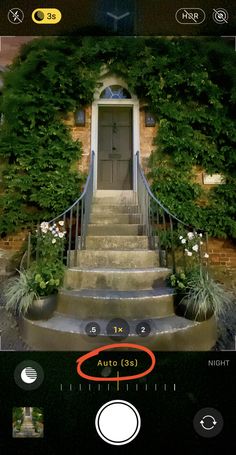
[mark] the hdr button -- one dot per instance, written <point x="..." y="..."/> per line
<point x="118" y="422"/>
<point x="187" y="16"/>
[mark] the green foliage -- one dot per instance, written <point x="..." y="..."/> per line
<point x="37" y="415"/>
<point x="45" y="274"/>
<point x="41" y="280"/>
<point x="39" y="181"/>
<point x="48" y="242"/>
<point x="189" y="85"/>
<point x="46" y="278"/>
<point x="178" y="281"/>
<point x="19" y="293"/>
<point x="17" y="414"/>
<point x="194" y="101"/>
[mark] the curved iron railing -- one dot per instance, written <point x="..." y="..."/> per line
<point x="75" y="221"/>
<point x="168" y="235"/>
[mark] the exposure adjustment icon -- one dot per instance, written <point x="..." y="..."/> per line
<point x="190" y="16"/>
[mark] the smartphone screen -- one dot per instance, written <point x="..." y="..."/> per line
<point x="117" y="223"/>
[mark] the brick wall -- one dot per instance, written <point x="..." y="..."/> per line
<point x="10" y="47"/>
<point x="222" y="253"/>
<point x="13" y="241"/>
<point x="83" y="133"/>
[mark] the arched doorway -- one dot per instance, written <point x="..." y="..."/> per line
<point x="115" y="135"/>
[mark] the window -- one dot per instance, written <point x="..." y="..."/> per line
<point x="115" y="92"/>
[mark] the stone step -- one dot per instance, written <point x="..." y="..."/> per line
<point x="108" y="304"/>
<point x="117" y="242"/>
<point x="115" y="229"/>
<point x="116" y="279"/>
<point x="122" y="197"/>
<point x="111" y="209"/>
<point x="64" y="333"/>
<point x="115" y="193"/>
<point x="114" y="259"/>
<point x="115" y="218"/>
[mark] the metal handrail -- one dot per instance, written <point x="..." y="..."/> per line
<point x="159" y="222"/>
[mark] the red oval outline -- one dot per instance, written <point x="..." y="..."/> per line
<point x="95" y="352"/>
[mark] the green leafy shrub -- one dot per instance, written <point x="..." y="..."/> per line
<point x="190" y="87"/>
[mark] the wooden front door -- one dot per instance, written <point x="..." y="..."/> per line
<point x="115" y="148"/>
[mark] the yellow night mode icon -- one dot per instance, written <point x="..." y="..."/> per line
<point x="48" y="16"/>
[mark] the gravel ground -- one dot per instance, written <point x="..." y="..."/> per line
<point x="11" y="340"/>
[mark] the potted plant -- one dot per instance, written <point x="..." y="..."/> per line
<point x="203" y="297"/>
<point x="198" y="295"/>
<point x="33" y="293"/>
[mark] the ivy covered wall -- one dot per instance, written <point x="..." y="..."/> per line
<point x="188" y="83"/>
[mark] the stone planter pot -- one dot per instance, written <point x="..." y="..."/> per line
<point x="42" y="308"/>
<point x="188" y="313"/>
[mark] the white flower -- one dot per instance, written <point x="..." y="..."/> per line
<point x="180" y="237"/>
<point x="190" y="235"/>
<point x="54" y="225"/>
<point x="183" y="241"/>
<point x="44" y="227"/>
<point x="201" y="243"/>
<point x="206" y="255"/>
<point x="53" y="240"/>
<point x="200" y="235"/>
<point x="51" y="228"/>
<point x="189" y="253"/>
<point x="61" y="223"/>
<point x="57" y="229"/>
<point x="61" y="235"/>
<point x="195" y="248"/>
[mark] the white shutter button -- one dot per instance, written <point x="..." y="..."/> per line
<point x="118" y="422"/>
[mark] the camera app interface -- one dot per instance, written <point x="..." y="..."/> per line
<point x="117" y="226"/>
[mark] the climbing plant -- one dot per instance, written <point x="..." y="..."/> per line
<point x="188" y="83"/>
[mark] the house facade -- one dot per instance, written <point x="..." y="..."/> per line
<point x="116" y="125"/>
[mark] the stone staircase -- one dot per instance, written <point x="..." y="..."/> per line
<point x="27" y="429"/>
<point x="117" y="276"/>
